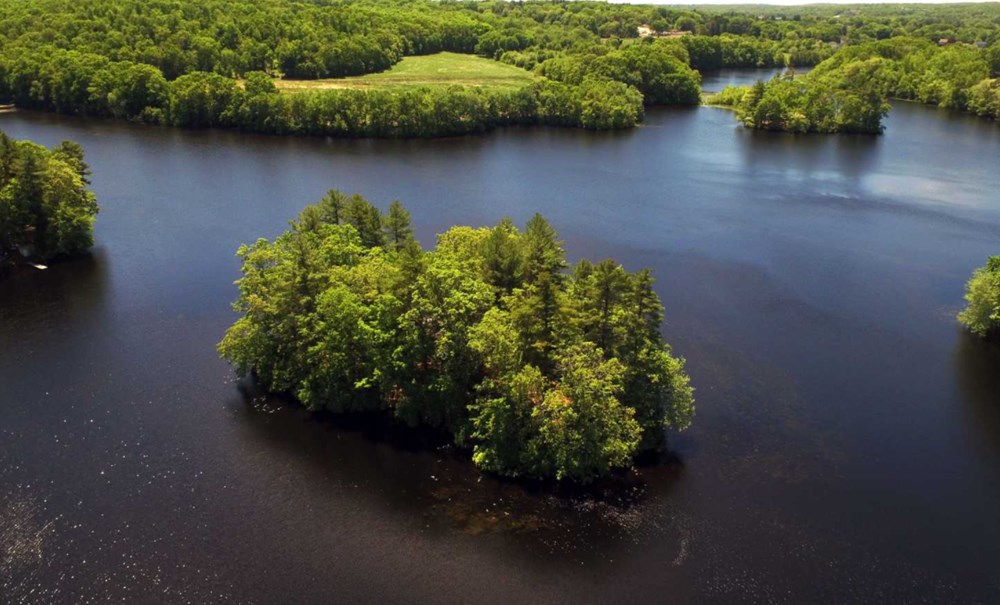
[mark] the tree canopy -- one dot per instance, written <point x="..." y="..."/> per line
<point x="210" y="63"/>
<point x="46" y="209"/>
<point x="982" y="293"/>
<point x="849" y="91"/>
<point x="539" y="372"/>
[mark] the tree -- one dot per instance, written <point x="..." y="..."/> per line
<point x="503" y="413"/>
<point x="584" y="430"/>
<point x="502" y="260"/>
<point x="71" y="153"/>
<point x="258" y="83"/>
<point x="440" y="366"/>
<point x="982" y="295"/>
<point x="200" y="99"/>
<point x="70" y="210"/>
<point x="993" y="59"/>
<point x="396" y="225"/>
<point x="602" y="290"/>
<point x="366" y="218"/>
<point x="46" y="209"/>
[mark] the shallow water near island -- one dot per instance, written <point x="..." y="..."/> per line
<point x="847" y="442"/>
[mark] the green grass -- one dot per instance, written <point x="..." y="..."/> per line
<point x="442" y="69"/>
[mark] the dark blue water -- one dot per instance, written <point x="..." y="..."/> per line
<point x="714" y="81"/>
<point x="847" y="443"/>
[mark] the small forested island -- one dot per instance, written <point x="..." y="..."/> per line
<point x="982" y="293"/>
<point x="848" y="91"/>
<point x="538" y="372"/>
<point x="298" y="67"/>
<point x="46" y="209"/>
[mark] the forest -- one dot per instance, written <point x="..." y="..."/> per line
<point x="849" y="92"/>
<point x="536" y="370"/>
<point x="46" y="209"/>
<point x="213" y="63"/>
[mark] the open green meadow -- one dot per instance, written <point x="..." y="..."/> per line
<point x="441" y="69"/>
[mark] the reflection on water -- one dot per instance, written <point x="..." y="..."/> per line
<point x="843" y="157"/>
<point x="714" y="81"/>
<point x="38" y="308"/>
<point x="977" y="368"/>
<point x="418" y="472"/>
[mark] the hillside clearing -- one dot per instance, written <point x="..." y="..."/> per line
<point x="441" y="69"/>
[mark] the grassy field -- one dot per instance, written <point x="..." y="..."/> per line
<point x="442" y="69"/>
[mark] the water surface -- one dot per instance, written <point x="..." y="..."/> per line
<point x="715" y="81"/>
<point x="847" y="442"/>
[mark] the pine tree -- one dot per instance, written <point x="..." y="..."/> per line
<point x="396" y="225"/>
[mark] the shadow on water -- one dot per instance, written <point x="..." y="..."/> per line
<point x="848" y="155"/>
<point x="418" y="476"/>
<point x="70" y="290"/>
<point x="977" y="369"/>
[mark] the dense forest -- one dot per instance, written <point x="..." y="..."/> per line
<point x="212" y="63"/>
<point x="849" y="91"/>
<point x="46" y="209"/>
<point x="538" y="372"/>
<point x="982" y="314"/>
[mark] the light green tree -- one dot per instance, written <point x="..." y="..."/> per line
<point x="982" y="293"/>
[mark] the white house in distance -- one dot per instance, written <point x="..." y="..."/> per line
<point x="645" y="31"/>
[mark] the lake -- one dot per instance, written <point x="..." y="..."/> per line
<point x="846" y="446"/>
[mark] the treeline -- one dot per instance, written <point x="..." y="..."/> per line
<point x="190" y="63"/>
<point x="46" y="209"/>
<point x="954" y="76"/>
<point x="982" y="295"/>
<point x="84" y="84"/>
<point x="659" y="70"/>
<point x="283" y="38"/>
<point x="732" y="51"/>
<point x="848" y="92"/>
<point x="851" y="24"/>
<point x="698" y="52"/>
<point x="288" y="38"/>
<point x="539" y="372"/>
<point x="330" y="39"/>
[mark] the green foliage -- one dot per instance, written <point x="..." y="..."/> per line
<point x="46" y="209"/>
<point x="539" y="373"/>
<point x="848" y="91"/>
<point x="659" y="70"/>
<point x="982" y="293"/>
<point x="396" y="224"/>
<point x="808" y="104"/>
<point x="207" y="63"/>
<point x="201" y="99"/>
<point x="993" y="59"/>
<point x="984" y="99"/>
<point x="955" y="76"/>
<point x="584" y="429"/>
<point x="731" y="51"/>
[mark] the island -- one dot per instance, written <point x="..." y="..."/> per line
<point x="46" y="209"/>
<point x="536" y="371"/>
<point x="849" y="91"/>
